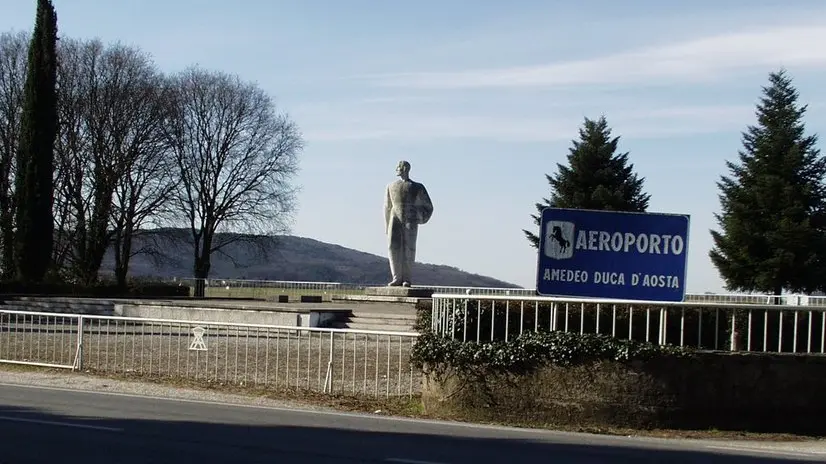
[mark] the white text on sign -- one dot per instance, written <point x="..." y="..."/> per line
<point x="619" y="242"/>
<point x="612" y="278"/>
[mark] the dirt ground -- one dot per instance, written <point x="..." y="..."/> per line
<point x="354" y="363"/>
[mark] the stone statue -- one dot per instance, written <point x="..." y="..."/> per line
<point x="406" y="206"/>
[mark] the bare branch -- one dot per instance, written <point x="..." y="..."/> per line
<point x="111" y="110"/>
<point x="236" y="158"/>
<point x="13" y="60"/>
<point x="142" y="192"/>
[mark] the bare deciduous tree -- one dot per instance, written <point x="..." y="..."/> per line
<point x="110" y="116"/>
<point x="13" y="59"/>
<point x="236" y="157"/>
<point x="142" y="193"/>
<point x="71" y="153"/>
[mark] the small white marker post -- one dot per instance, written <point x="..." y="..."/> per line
<point x="198" y="343"/>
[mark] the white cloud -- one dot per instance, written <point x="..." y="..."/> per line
<point x="694" y="60"/>
<point x="682" y="120"/>
<point x="633" y="122"/>
<point x="427" y="127"/>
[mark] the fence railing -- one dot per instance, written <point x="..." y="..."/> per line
<point x="324" y="360"/>
<point x="703" y="326"/>
<point x="243" y="288"/>
<point x="238" y="288"/>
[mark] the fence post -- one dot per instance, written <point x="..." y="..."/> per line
<point x="328" y="379"/>
<point x="434" y="315"/>
<point x="662" y="327"/>
<point x="78" y="364"/>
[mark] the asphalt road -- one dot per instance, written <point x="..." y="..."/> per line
<point x="66" y="426"/>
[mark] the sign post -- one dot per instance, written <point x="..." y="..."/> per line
<point x="612" y="255"/>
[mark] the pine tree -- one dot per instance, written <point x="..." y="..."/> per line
<point x="34" y="181"/>
<point x="596" y="178"/>
<point x="772" y="204"/>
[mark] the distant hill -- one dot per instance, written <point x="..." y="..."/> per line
<point x="285" y="258"/>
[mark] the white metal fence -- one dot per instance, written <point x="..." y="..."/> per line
<point x="239" y="288"/>
<point x="325" y="360"/>
<point x="704" y="326"/>
<point x="242" y="288"/>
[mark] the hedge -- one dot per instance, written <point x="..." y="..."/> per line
<point x="531" y="351"/>
<point x="528" y="352"/>
<point x="8" y="288"/>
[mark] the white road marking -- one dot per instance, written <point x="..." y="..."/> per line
<point x="60" y="424"/>
<point x="411" y="461"/>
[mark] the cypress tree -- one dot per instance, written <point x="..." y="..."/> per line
<point x="34" y="181"/>
<point x="597" y="177"/>
<point x="771" y="234"/>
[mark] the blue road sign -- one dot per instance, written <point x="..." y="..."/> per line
<point x="610" y="254"/>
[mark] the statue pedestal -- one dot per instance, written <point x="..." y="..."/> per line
<point x="399" y="292"/>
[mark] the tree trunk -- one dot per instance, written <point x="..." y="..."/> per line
<point x="122" y="248"/>
<point x="7" y="228"/>
<point x="202" y="259"/>
<point x="94" y="256"/>
<point x="202" y="266"/>
<point x="89" y="263"/>
<point x="120" y="276"/>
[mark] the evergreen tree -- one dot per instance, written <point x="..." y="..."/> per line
<point x="34" y="181"/>
<point x="772" y="204"/>
<point x="597" y="177"/>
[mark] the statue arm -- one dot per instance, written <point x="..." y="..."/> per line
<point x="388" y="208"/>
<point x="425" y="205"/>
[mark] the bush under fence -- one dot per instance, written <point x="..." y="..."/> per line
<point x="588" y="380"/>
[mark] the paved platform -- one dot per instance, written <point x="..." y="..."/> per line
<point x="399" y="292"/>
<point x="366" y="313"/>
<point x="339" y="303"/>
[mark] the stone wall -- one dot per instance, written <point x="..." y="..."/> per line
<point x="735" y="391"/>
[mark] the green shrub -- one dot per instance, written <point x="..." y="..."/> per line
<point x="531" y="351"/>
<point x="424" y="316"/>
<point x="95" y="291"/>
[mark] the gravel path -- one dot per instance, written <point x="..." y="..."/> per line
<point x="84" y="382"/>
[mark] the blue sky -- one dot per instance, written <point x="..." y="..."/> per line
<point x="483" y="98"/>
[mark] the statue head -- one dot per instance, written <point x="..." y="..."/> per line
<point x="403" y="169"/>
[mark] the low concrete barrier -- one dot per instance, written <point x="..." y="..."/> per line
<point x="291" y="315"/>
<point x="91" y="306"/>
<point x="276" y="316"/>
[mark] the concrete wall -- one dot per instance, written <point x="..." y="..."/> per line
<point x="60" y="305"/>
<point x="312" y="318"/>
<point x="154" y="311"/>
<point x="736" y="391"/>
<point x="191" y="311"/>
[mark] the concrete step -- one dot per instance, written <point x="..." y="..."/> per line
<point x="362" y="319"/>
<point x="376" y="327"/>
<point x="383" y="315"/>
<point x="383" y="320"/>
